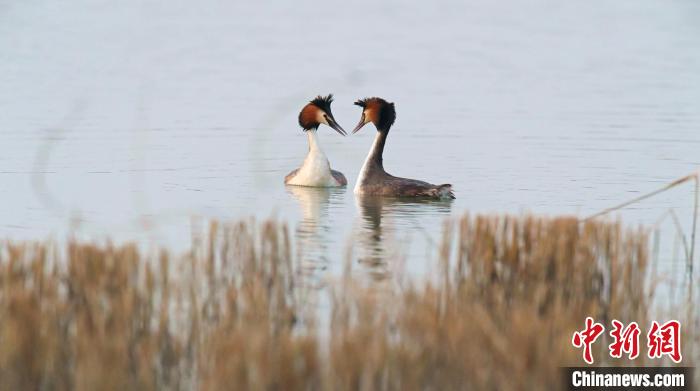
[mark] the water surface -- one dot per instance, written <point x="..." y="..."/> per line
<point x="126" y="119"/>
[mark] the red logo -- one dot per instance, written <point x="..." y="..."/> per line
<point x="625" y="340"/>
<point x="586" y="337"/>
<point x="662" y="339"/>
<point x="665" y="340"/>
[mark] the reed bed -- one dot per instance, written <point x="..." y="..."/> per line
<point x="234" y="312"/>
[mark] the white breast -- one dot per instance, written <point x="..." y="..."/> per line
<point x="316" y="169"/>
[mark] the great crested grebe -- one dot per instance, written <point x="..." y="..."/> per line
<point x="373" y="180"/>
<point x="316" y="170"/>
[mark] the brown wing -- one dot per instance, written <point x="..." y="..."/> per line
<point x="404" y="187"/>
<point x="440" y="192"/>
<point x="339" y="177"/>
<point x="290" y="176"/>
<point x="413" y="188"/>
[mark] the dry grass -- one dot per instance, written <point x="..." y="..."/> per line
<point x="230" y="314"/>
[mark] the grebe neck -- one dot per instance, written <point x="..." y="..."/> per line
<point x="374" y="164"/>
<point x="376" y="153"/>
<point x="314" y="145"/>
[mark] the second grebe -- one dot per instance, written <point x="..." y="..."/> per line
<point x="373" y="180"/>
<point x="316" y="170"/>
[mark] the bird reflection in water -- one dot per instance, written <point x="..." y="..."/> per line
<point x="384" y="224"/>
<point x="313" y="233"/>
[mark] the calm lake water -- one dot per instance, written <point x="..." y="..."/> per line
<point x="133" y="119"/>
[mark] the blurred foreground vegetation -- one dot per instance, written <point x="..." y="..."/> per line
<point x="233" y="313"/>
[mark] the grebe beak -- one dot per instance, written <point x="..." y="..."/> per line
<point x="360" y="125"/>
<point x="334" y="125"/>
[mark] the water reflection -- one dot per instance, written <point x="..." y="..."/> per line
<point x="382" y="218"/>
<point x="313" y="233"/>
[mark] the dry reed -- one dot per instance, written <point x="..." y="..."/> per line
<point x="231" y="313"/>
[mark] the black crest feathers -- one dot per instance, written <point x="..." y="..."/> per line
<point x="361" y="102"/>
<point x="323" y="102"/>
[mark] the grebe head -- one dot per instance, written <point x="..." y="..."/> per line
<point x="318" y="112"/>
<point x="377" y="111"/>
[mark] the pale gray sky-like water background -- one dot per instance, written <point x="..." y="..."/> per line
<point x="127" y="119"/>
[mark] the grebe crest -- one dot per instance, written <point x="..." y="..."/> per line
<point x="317" y="112"/>
<point x="377" y="111"/>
